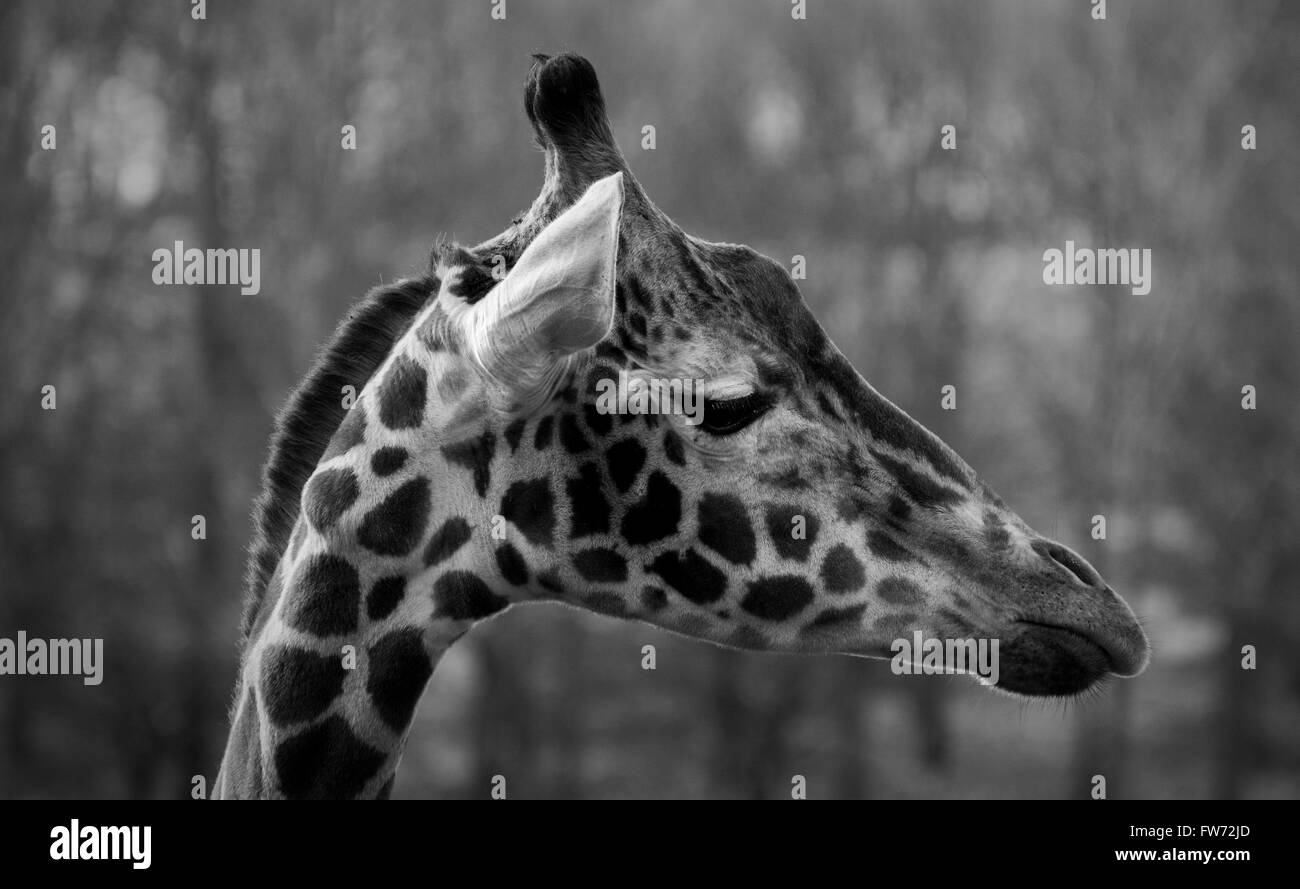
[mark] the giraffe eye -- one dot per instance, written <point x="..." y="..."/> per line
<point x="734" y="414"/>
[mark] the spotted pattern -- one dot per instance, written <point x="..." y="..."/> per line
<point x="395" y="526"/>
<point x="385" y="595"/>
<point x="476" y="455"/>
<point x="899" y="591"/>
<point x="514" y="433"/>
<point x="601" y="565"/>
<point x="326" y="598"/>
<point x="841" y="571"/>
<point x="572" y="436"/>
<point x="329" y="494"/>
<point x="777" y="598"/>
<point x="625" y="460"/>
<point x="530" y="507"/>
<point x="837" y="619"/>
<point x="545" y="431"/>
<point x="598" y="423"/>
<point x="781" y="527"/>
<point x="397" y="670"/>
<point x="692" y="575"/>
<point x="852" y="507"/>
<point x="446" y="541"/>
<point x="327" y="761"/>
<point x="590" y="509"/>
<point x="656" y="515"/>
<point x="459" y="595"/>
<point x="673" y="448"/>
<point x="402" y="395"/>
<point x="923" y="490"/>
<point x="725" y="528"/>
<point x="653" y="599"/>
<point x="298" y="685"/>
<point x="387" y="460"/>
<point x="886" y="547"/>
<point x="512" y="565"/>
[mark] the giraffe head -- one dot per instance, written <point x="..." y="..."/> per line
<point x="794" y="509"/>
<point x="484" y="464"/>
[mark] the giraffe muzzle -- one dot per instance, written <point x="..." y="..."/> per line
<point x="1069" y="648"/>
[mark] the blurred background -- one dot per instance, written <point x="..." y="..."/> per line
<point x="818" y="138"/>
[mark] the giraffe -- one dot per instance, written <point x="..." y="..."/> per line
<point x="475" y="472"/>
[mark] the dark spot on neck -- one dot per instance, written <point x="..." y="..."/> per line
<point x="449" y="538"/>
<point x="725" y="528"/>
<point x="387" y="460"/>
<point x="542" y="437"/>
<point x="590" y="509"/>
<point x="571" y="435"/>
<point x="899" y="591"/>
<point x="397" y="671"/>
<point x="326" y="598"/>
<point x="777" y="598"/>
<point x="692" y="575"/>
<point x="781" y="527"/>
<point x="476" y="455"/>
<point x="530" y="507"/>
<point x="653" y="598"/>
<point x="601" y="565"/>
<point x="514" y="432"/>
<point x="327" y="761"/>
<point x="298" y="685"/>
<point x="329" y="494"/>
<point x="656" y="515"/>
<point x="836" y="619"/>
<point x="841" y="571"/>
<point x="886" y="547"/>
<point x="395" y="526"/>
<point x="384" y="596"/>
<point x="673" y="448"/>
<point x="459" y="595"/>
<point x="625" y="460"/>
<point x="512" y="565"/>
<point x="402" y="394"/>
<point x="599" y="424"/>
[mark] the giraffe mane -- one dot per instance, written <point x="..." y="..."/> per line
<point x="313" y="414"/>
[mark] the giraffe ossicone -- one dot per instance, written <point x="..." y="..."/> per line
<point x="804" y="512"/>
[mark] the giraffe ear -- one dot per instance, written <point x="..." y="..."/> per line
<point x="557" y="300"/>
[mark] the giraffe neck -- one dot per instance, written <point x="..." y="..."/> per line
<point x="365" y="600"/>
<point x="283" y="744"/>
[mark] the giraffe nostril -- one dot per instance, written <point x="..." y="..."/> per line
<point x="1071" y="562"/>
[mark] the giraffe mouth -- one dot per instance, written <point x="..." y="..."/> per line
<point x="1042" y="659"/>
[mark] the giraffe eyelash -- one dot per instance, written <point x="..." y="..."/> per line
<point x="729" y="416"/>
